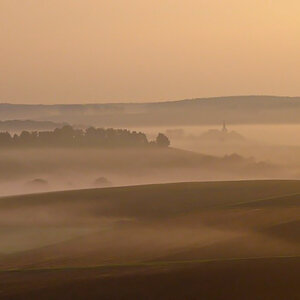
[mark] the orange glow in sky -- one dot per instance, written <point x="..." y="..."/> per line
<point x="72" y="51"/>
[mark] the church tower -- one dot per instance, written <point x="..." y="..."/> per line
<point x="224" y="129"/>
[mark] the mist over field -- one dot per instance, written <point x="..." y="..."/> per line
<point x="276" y="143"/>
<point x="36" y="170"/>
<point x="149" y="149"/>
<point x="259" y="142"/>
<point x="92" y="208"/>
<point x="103" y="238"/>
<point x="216" y="147"/>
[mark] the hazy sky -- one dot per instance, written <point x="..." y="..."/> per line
<point x="71" y="51"/>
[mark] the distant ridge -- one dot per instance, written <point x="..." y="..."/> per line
<point x="198" y="111"/>
<point x="202" y="99"/>
<point x="19" y="125"/>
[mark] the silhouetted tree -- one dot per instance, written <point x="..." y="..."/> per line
<point x="5" y="139"/>
<point x="67" y="136"/>
<point x="162" y="140"/>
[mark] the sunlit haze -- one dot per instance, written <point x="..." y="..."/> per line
<point x="83" y="51"/>
<point x="149" y="149"/>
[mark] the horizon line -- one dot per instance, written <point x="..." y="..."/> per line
<point x="150" y="102"/>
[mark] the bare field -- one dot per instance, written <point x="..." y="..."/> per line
<point x="274" y="278"/>
<point x="134" y="238"/>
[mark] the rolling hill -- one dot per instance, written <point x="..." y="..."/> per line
<point x="237" y="110"/>
<point x="167" y="241"/>
<point x="29" y="125"/>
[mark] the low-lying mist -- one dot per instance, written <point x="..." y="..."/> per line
<point x="276" y="143"/>
<point x="149" y="223"/>
<point x="227" y="152"/>
<point x="47" y="169"/>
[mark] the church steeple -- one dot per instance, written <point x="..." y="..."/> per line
<point x="224" y="129"/>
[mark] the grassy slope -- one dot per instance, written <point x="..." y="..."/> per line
<point x="159" y="224"/>
<point x="158" y="200"/>
<point x="243" y="279"/>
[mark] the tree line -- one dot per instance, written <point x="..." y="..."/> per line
<point x="67" y="136"/>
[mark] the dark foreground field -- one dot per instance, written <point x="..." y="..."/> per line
<point x="276" y="278"/>
<point x="217" y="240"/>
